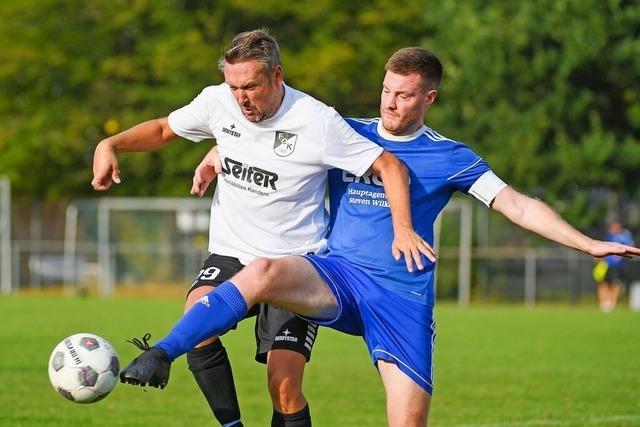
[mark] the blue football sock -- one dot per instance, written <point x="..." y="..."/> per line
<point x="213" y="314"/>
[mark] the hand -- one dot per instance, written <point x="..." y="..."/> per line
<point x="601" y="249"/>
<point x="208" y="169"/>
<point x="105" y="167"/>
<point x="408" y="243"/>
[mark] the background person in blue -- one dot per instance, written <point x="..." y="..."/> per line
<point x="609" y="272"/>
<point x="357" y="288"/>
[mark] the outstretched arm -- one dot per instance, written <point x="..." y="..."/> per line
<point x="536" y="216"/>
<point x="147" y="136"/>
<point x="396" y="186"/>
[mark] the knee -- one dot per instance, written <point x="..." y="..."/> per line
<point x="206" y="356"/>
<point x="413" y="415"/>
<point x="286" y="392"/>
<point x="409" y="418"/>
<point x="416" y="419"/>
<point x="195" y="294"/>
<point x="262" y="273"/>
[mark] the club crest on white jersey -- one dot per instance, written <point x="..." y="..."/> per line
<point x="285" y="143"/>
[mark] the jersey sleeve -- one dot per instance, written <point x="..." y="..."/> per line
<point x="192" y="121"/>
<point x="624" y="238"/>
<point x="470" y="174"/>
<point x="487" y="187"/>
<point x="346" y="149"/>
<point x="629" y="238"/>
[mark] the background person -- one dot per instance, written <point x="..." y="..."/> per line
<point x="609" y="272"/>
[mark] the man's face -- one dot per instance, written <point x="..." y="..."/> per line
<point x="615" y="227"/>
<point x="404" y="102"/>
<point x="257" y="92"/>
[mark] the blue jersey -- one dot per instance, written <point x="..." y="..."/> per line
<point x="361" y="227"/>
<point x="625" y="238"/>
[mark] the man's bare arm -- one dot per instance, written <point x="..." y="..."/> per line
<point x="148" y="136"/>
<point x="396" y="186"/>
<point x="538" y="217"/>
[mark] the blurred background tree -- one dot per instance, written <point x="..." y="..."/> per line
<point x="547" y="91"/>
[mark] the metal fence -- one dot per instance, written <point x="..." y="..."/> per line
<point x="5" y="235"/>
<point x="112" y="244"/>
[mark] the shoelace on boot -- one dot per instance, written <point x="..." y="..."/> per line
<point x="142" y="345"/>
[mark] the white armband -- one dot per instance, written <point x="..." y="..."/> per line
<point x="487" y="187"/>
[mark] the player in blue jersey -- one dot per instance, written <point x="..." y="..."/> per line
<point x="358" y="288"/>
<point x="613" y="277"/>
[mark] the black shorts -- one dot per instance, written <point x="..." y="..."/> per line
<point x="276" y="328"/>
<point x="615" y="275"/>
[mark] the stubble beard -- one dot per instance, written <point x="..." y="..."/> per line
<point x="261" y="116"/>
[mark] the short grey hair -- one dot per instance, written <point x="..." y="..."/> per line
<point x="256" y="45"/>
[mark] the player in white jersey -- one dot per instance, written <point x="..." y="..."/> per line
<point x="277" y="145"/>
<point x="357" y="288"/>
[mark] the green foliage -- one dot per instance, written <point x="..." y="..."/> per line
<point x="546" y="90"/>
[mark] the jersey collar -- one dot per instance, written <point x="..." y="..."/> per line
<point x="399" y="138"/>
<point x="284" y="105"/>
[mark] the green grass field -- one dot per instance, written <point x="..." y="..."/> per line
<point x="495" y="366"/>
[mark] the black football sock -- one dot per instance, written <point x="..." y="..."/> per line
<point x="212" y="370"/>
<point x="301" y="418"/>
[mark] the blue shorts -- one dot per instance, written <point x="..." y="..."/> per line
<point x="394" y="328"/>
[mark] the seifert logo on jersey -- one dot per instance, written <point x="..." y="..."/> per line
<point x="284" y="143"/>
<point x="250" y="174"/>
<point x="367" y="178"/>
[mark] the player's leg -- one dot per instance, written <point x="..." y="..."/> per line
<point x="603" y="295"/>
<point x="211" y="369"/>
<point x="609" y="290"/>
<point x="285" y="370"/>
<point x="291" y="283"/>
<point x="400" y="336"/>
<point x="407" y="402"/>
<point x="615" y="294"/>
<point x="285" y="342"/>
<point x="208" y="362"/>
<point x="616" y="284"/>
<point x="608" y="303"/>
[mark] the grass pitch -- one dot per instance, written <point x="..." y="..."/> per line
<point x="495" y="366"/>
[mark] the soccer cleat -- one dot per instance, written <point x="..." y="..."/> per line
<point x="151" y="367"/>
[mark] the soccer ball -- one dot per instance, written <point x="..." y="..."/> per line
<point x="84" y="368"/>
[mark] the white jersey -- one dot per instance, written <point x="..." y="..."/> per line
<point x="269" y="201"/>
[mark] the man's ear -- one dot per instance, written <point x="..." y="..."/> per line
<point x="278" y="75"/>
<point x="431" y="97"/>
